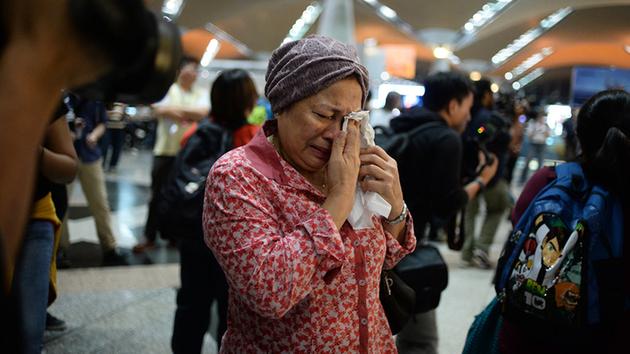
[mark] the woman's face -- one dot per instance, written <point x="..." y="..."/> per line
<point x="307" y="129"/>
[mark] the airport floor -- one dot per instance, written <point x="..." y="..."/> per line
<point x="130" y="309"/>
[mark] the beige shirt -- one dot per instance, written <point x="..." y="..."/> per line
<point x="169" y="133"/>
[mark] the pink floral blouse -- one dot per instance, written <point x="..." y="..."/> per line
<point x="297" y="284"/>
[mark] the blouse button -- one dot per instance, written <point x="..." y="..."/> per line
<point x="356" y="243"/>
<point x="364" y="321"/>
<point x="362" y="282"/>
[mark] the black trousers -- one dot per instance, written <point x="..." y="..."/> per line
<point x="162" y="166"/>
<point x="202" y="282"/>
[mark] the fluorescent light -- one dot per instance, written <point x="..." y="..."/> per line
<point x="441" y="52"/>
<point x="494" y="88"/>
<point x="475" y="75"/>
<point x="385" y="76"/>
<point x="530" y="62"/>
<point x="371" y="2"/>
<point x="387" y="12"/>
<point x="508" y="75"/>
<point x="526" y="38"/>
<point x="484" y="16"/>
<point x="529" y="78"/>
<point x="516" y="85"/>
<point x="172" y="8"/>
<point x="211" y="51"/>
<point x="304" y="23"/>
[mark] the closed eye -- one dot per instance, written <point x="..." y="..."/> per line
<point x="324" y="116"/>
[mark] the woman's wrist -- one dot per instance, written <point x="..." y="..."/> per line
<point x="397" y="217"/>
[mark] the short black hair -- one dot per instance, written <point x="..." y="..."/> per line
<point x="233" y="92"/>
<point x="442" y="87"/>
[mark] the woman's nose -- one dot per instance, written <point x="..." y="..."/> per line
<point x="333" y="128"/>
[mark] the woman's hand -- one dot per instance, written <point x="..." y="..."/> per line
<point x="342" y="172"/>
<point x="379" y="173"/>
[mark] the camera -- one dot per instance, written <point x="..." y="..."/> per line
<point x="490" y="136"/>
<point x="144" y="50"/>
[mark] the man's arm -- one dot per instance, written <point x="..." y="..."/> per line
<point x="181" y="113"/>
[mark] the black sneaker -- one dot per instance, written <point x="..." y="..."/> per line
<point x="55" y="324"/>
<point x="114" y="258"/>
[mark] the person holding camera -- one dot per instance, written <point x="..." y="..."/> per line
<point x="431" y="178"/>
<point x="486" y="133"/>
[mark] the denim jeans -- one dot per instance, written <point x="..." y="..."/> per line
<point x="31" y="283"/>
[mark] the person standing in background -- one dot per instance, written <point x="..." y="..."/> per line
<point x="537" y="132"/>
<point x="114" y="137"/>
<point x="382" y="116"/>
<point x="87" y="119"/>
<point x="496" y="194"/>
<point x="184" y="103"/>
<point x="233" y="97"/>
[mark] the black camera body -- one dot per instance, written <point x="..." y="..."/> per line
<point x="488" y="134"/>
<point x="144" y="49"/>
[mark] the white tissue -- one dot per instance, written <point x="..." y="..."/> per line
<point x="366" y="204"/>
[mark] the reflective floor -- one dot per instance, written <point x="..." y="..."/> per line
<point x="130" y="309"/>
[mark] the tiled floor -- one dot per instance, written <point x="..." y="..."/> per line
<point x="130" y="309"/>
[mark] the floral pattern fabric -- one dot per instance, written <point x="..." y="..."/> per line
<point x="297" y="284"/>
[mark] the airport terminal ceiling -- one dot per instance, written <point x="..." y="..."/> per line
<point x="596" y="32"/>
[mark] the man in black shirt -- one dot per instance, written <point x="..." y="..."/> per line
<point x="431" y="178"/>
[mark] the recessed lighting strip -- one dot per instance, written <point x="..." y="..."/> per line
<point x="526" y="38"/>
<point x="304" y="23"/>
<point x="527" y="79"/>
<point x="388" y="14"/>
<point x="221" y="35"/>
<point x="488" y="13"/>
<point x="528" y="63"/>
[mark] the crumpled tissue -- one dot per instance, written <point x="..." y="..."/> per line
<point x="366" y="204"/>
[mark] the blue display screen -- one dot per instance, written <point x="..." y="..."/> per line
<point x="588" y="81"/>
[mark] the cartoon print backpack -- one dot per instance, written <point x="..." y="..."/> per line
<point x="562" y="265"/>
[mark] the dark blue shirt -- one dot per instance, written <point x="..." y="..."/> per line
<point x="93" y="114"/>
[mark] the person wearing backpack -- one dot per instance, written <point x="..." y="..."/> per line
<point x="233" y="96"/>
<point x="430" y="175"/>
<point x="601" y="305"/>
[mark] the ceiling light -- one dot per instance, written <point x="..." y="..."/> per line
<point x="211" y="51"/>
<point x="508" y="76"/>
<point x="526" y="38"/>
<point x="494" y="88"/>
<point x="387" y="12"/>
<point x="385" y="76"/>
<point x="529" y="78"/>
<point x="172" y="8"/>
<point x="530" y="62"/>
<point x="371" y="2"/>
<point x="481" y="18"/>
<point x="304" y="23"/>
<point x="475" y="75"/>
<point x="441" y="52"/>
<point x="516" y="85"/>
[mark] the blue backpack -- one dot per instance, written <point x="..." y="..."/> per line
<point x="562" y="264"/>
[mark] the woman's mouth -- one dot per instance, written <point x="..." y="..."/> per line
<point x="320" y="152"/>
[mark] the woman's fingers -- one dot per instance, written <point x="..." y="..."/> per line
<point x="338" y="145"/>
<point x="376" y="150"/>
<point x="374" y="171"/>
<point x="353" y="143"/>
